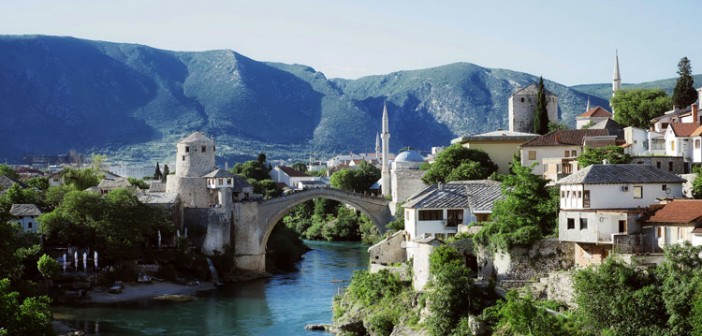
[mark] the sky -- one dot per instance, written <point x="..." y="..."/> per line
<point x="570" y="42"/>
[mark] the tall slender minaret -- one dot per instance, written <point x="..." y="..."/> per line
<point x="378" y="149"/>
<point x="617" y="80"/>
<point x="385" y="171"/>
<point x="588" y="104"/>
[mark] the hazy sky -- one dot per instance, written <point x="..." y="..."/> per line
<point x="571" y="42"/>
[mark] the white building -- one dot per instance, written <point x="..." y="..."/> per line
<point x="592" y="116"/>
<point x="26" y="216"/>
<point x="600" y="205"/>
<point x="291" y="177"/>
<point x="637" y="142"/>
<point x="677" y="221"/>
<point x="522" y="105"/>
<point x="405" y="177"/>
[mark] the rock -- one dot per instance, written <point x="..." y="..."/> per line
<point x="318" y="327"/>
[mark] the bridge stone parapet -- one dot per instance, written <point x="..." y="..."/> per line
<point x="254" y="221"/>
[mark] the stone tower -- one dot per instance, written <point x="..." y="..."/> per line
<point x="195" y="157"/>
<point x="385" y="171"/>
<point x="522" y="105"/>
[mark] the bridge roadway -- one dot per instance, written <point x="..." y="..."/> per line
<point x="253" y="226"/>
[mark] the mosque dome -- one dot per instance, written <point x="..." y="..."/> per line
<point x="409" y="156"/>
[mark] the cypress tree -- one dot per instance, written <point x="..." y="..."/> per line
<point x="157" y="173"/>
<point x="541" y="113"/>
<point x="165" y="172"/>
<point x="684" y="93"/>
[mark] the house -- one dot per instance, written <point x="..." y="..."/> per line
<point x="55" y="179"/>
<point x="110" y="183"/>
<point x="592" y="117"/>
<point x="600" y="206"/>
<point x="500" y="145"/>
<point x="636" y="141"/>
<point x="439" y="209"/>
<point x="677" y="221"/>
<point x="26" y="216"/>
<point x="290" y="176"/>
<point x="555" y="153"/>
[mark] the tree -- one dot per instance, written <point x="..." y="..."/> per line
<point x="541" y="121"/>
<point x="6" y="170"/>
<point x="452" y="158"/>
<point x="684" y="93"/>
<point x="613" y="154"/>
<point x="41" y="183"/>
<point x="157" y="173"/>
<point x="166" y="171"/>
<point x="139" y="183"/>
<point x="638" y="106"/>
<point x="680" y="275"/>
<point x="523" y="316"/>
<point x="358" y="180"/>
<point x="31" y="317"/>
<point x="48" y="266"/>
<point x="81" y="178"/>
<point x="452" y="294"/>
<point x="697" y="186"/>
<point x="342" y="179"/>
<point x="301" y="166"/>
<point x="528" y="211"/>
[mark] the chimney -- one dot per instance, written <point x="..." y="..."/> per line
<point x="439" y="186"/>
<point x="695" y="112"/>
<point x="676" y="109"/>
<point x="605" y="161"/>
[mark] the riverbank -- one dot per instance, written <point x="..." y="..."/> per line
<point x="155" y="290"/>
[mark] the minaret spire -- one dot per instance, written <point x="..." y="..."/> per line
<point x="617" y="80"/>
<point x="385" y="171"/>
<point x="588" y="104"/>
<point x="378" y="148"/>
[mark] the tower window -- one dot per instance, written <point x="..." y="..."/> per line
<point x="183" y="157"/>
<point x="522" y="99"/>
<point x="187" y="149"/>
<point x="204" y="149"/>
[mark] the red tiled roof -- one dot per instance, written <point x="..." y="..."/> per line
<point x="292" y="172"/>
<point x="684" y="129"/>
<point x="679" y="211"/>
<point x="697" y="132"/>
<point x="565" y="138"/>
<point x="597" y="111"/>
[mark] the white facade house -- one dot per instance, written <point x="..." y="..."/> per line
<point x="677" y="221"/>
<point x="637" y="141"/>
<point x="26" y="216"/>
<point x="677" y="139"/>
<point x="601" y="204"/>
<point x="556" y="152"/>
<point x="696" y="139"/>
<point x="291" y="177"/>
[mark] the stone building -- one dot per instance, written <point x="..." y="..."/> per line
<point x="522" y="105"/>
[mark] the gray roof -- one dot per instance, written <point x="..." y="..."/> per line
<point x="21" y="210"/>
<point x="240" y="183"/>
<point x="620" y="173"/>
<point x="195" y="137"/>
<point x="610" y="125"/>
<point x="217" y="173"/>
<point x="409" y="156"/>
<point x="499" y="135"/>
<point x="159" y="198"/>
<point x="478" y="195"/>
<point x="114" y="183"/>
<point x="532" y="89"/>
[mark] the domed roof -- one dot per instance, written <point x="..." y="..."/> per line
<point x="409" y="156"/>
<point x="195" y="137"/>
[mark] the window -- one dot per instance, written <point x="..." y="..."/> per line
<point x="187" y="149"/>
<point x="221" y="181"/>
<point x="229" y="181"/>
<point x="428" y="215"/>
<point x="567" y="154"/>
<point x="638" y="191"/>
<point x="29" y="225"/>
<point x="583" y="223"/>
<point x="183" y="157"/>
<point x="586" y="198"/>
<point x="455" y="217"/>
<point x="532" y="155"/>
<point x="571" y="223"/>
<point x="660" y="232"/>
<point x="562" y="194"/>
<point x="204" y="149"/>
<point x="670" y="166"/>
<point x="522" y="99"/>
<point x="664" y="187"/>
<point x="622" y="226"/>
<point x="664" y="125"/>
<point x="672" y="145"/>
<point x="574" y="153"/>
<point x="579" y="194"/>
<point x="658" y="165"/>
<point x="697" y="143"/>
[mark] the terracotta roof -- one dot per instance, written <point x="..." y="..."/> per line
<point x="20" y="210"/>
<point x="620" y="173"/>
<point x="597" y="111"/>
<point x="679" y="211"/>
<point x="564" y="138"/>
<point x="697" y="132"/>
<point x="684" y="129"/>
<point x="292" y="172"/>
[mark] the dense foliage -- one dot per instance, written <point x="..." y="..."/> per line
<point x="684" y="92"/>
<point x="613" y="155"/>
<point x="697" y="186"/>
<point x="541" y="122"/>
<point x="450" y="299"/>
<point x="257" y="175"/>
<point x="528" y="211"/>
<point x="357" y="180"/>
<point x="323" y="219"/>
<point x="23" y="317"/>
<point x="637" y="107"/>
<point x="459" y="163"/>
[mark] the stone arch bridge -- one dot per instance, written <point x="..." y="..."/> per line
<point x="254" y="222"/>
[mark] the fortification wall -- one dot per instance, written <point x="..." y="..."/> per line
<point x="527" y="264"/>
<point x="218" y="235"/>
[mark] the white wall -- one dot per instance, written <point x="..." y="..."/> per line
<point x="546" y="152"/>
<point x="636" y="138"/>
<point x="416" y="228"/>
<point x="600" y="225"/>
<point x="611" y="196"/>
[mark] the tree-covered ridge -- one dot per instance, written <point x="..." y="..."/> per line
<point x="149" y="98"/>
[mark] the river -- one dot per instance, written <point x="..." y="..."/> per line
<point x="280" y="305"/>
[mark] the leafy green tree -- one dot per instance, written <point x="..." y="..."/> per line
<point x="41" y="183"/>
<point x="28" y="317"/>
<point x="613" y="154"/>
<point x="541" y="121"/>
<point x="139" y="183"/>
<point x="6" y="170"/>
<point x="157" y="173"/>
<point x="684" y="93"/>
<point x="358" y="180"/>
<point x="638" y="106"/>
<point x="452" y="158"/>
<point x="621" y="299"/>
<point x="81" y="178"/>
<point x="451" y="299"/>
<point x="13" y="251"/>
<point x="524" y="316"/>
<point x="680" y="277"/>
<point x="257" y="169"/>
<point x="697" y="186"/>
<point x="54" y="195"/>
<point x="557" y="126"/>
<point x="301" y="166"/>
<point x="48" y="266"/>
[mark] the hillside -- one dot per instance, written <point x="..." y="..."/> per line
<point x="604" y="90"/>
<point x="134" y="102"/>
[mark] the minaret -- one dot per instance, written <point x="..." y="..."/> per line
<point x="377" y="146"/>
<point x="588" y="104"/>
<point x="385" y="171"/>
<point x="617" y="80"/>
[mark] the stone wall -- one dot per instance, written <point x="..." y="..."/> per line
<point x="218" y="235"/>
<point x="527" y="264"/>
<point x="389" y="250"/>
<point x="194" y="217"/>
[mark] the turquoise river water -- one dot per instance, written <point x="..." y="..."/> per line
<point x="280" y="305"/>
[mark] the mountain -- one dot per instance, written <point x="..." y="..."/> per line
<point x="134" y="102"/>
<point x="604" y="90"/>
